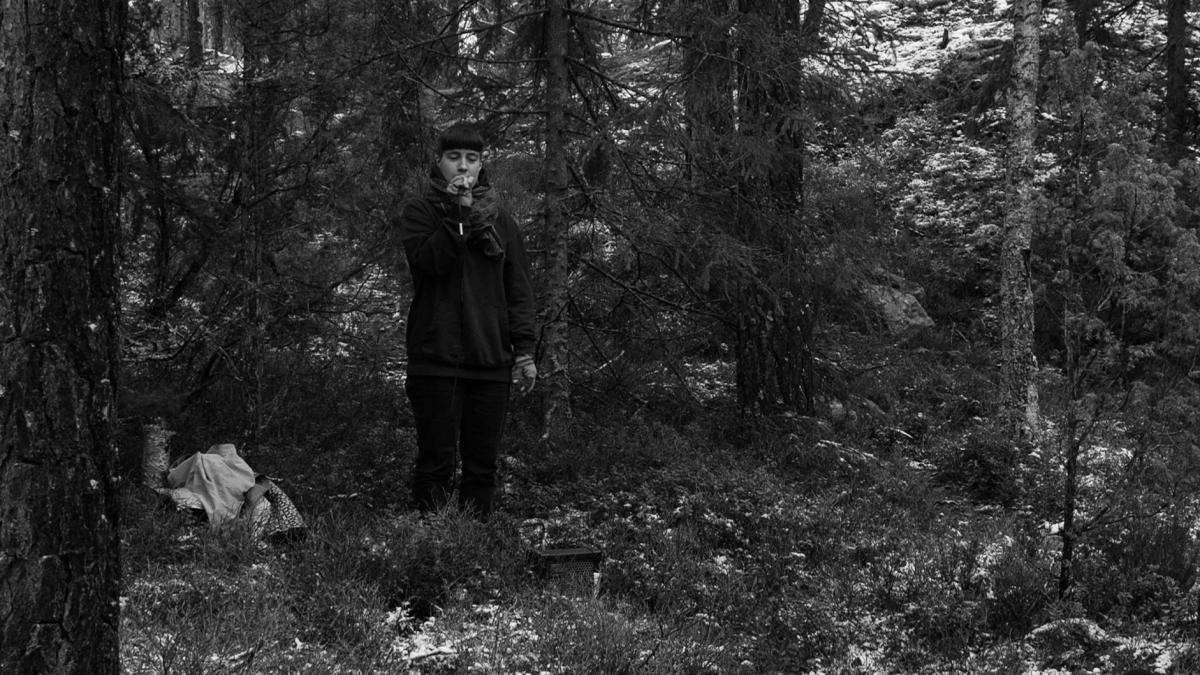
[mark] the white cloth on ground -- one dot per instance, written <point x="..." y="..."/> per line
<point x="217" y="478"/>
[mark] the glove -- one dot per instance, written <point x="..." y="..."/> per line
<point x="524" y="373"/>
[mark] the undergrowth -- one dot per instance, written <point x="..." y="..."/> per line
<point x="786" y="546"/>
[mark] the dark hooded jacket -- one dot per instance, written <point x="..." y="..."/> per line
<point x="473" y="309"/>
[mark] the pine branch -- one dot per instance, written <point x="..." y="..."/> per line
<point x="477" y="29"/>
<point x="625" y="26"/>
<point x="471" y="104"/>
<point x="657" y="298"/>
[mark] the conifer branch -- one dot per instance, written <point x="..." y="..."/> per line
<point x="647" y="294"/>
<point x="625" y="26"/>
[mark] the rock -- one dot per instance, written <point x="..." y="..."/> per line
<point x="921" y="4"/>
<point x="880" y="8"/>
<point x="837" y="412"/>
<point x="900" y="310"/>
<point x="1068" y="633"/>
<point x="1071" y="642"/>
<point x="868" y="407"/>
<point x="986" y="236"/>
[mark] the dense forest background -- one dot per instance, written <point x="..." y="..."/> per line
<point x="770" y="242"/>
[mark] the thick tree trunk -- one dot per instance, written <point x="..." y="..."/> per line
<point x="557" y="407"/>
<point x="1083" y="12"/>
<point x="218" y="26"/>
<point x="1178" y="80"/>
<point x="772" y="346"/>
<point x="59" y="563"/>
<point x="1018" y="365"/>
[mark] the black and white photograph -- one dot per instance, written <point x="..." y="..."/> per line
<point x="600" y="337"/>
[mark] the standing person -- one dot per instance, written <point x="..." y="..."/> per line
<point x="470" y="331"/>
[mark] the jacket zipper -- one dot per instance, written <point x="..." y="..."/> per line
<point x="462" y="295"/>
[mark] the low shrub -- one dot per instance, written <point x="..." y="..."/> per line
<point x="985" y="461"/>
<point x="1019" y="584"/>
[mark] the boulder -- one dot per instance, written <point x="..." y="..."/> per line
<point x="1072" y="643"/>
<point x="900" y="310"/>
<point x="1068" y="634"/>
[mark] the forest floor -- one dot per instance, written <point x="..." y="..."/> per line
<point x="801" y="548"/>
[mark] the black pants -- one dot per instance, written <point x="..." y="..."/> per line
<point x="457" y="417"/>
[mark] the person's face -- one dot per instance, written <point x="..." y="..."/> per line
<point x="461" y="162"/>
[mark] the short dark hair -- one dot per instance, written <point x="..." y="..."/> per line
<point x="460" y="136"/>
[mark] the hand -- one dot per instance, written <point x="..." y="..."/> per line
<point x="524" y="373"/>
<point x="460" y="186"/>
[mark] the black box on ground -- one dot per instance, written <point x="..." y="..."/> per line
<point x="576" y="566"/>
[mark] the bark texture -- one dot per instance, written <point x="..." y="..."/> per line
<point x="194" y="33"/>
<point x="1179" y="79"/>
<point x="59" y="565"/>
<point x="774" y="318"/>
<point x="557" y="408"/>
<point x="1018" y="365"/>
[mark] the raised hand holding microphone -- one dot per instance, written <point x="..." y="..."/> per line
<point x="460" y="186"/>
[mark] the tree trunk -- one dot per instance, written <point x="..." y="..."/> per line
<point x="772" y="345"/>
<point x="1178" y="80"/>
<point x="59" y="561"/>
<point x="772" y="332"/>
<point x="1076" y="432"/>
<point x="407" y="118"/>
<point x="1083" y="12"/>
<point x="707" y="98"/>
<point x="193" y="33"/>
<point x="156" y="437"/>
<point x="1066" y="559"/>
<point x="262" y="30"/>
<point x="813" y="17"/>
<point x="1018" y="364"/>
<point x="218" y="26"/>
<point x="557" y="409"/>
